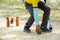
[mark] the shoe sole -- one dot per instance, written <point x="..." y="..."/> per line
<point x="26" y="31"/>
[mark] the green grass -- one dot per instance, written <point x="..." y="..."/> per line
<point x="16" y="2"/>
<point x="54" y="16"/>
<point x="54" y="12"/>
<point x="0" y="39"/>
<point x="9" y="2"/>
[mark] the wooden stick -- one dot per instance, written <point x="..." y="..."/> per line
<point x="7" y="21"/>
<point x="11" y="21"/>
<point x="17" y="21"/>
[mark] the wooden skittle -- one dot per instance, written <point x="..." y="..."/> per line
<point x="17" y="21"/>
<point x="11" y="21"/>
<point x="7" y="22"/>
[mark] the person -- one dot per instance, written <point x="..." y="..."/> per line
<point x="44" y="8"/>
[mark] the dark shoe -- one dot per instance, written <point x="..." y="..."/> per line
<point x="51" y="28"/>
<point x="46" y="30"/>
<point x="27" y="30"/>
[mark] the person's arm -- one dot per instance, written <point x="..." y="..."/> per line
<point x="35" y="10"/>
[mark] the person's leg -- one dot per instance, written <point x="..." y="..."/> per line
<point x="45" y="1"/>
<point x="31" y="18"/>
<point x="46" y="14"/>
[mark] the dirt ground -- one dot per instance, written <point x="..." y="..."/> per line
<point x="16" y="32"/>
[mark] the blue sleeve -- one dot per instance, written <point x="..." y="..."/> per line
<point x="35" y="10"/>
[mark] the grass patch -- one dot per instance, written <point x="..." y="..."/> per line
<point x="0" y="38"/>
<point x="55" y="12"/>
